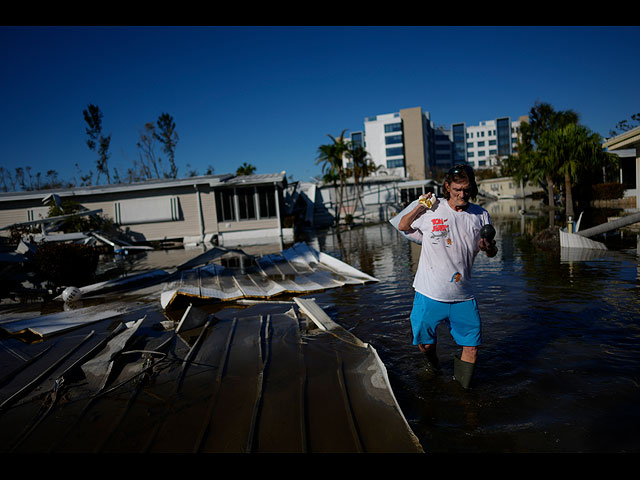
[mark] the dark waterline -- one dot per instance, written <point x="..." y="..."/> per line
<point x="558" y="370"/>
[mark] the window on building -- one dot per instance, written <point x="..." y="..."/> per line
<point x="492" y="142"/>
<point x="246" y="203"/>
<point x="252" y="203"/>
<point x="147" y="210"/>
<point x="225" y="206"/>
<point x="504" y="136"/>
<point x="408" y="195"/>
<point x="481" y="153"/>
<point x="267" y="202"/>
<point x="391" y="139"/>
<point x="394" y="151"/>
<point x="356" y="139"/>
<point x="627" y="172"/>
<point x="459" y="152"/>
<point x="481" y="144"/>
<point x="393" y="127"/>
<point x="399" y="162"/>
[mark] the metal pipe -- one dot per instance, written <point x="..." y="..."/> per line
<point x="612" y="225"/>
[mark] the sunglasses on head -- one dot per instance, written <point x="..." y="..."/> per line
<point x="459" y="169"/>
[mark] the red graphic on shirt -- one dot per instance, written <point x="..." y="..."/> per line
<point x="440" y="227"/>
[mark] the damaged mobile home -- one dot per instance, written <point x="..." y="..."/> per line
<point x="211" y="370"/>
<point x="220" y="209"/>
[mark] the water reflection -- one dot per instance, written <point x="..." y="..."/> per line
<point x="560" y="359"/>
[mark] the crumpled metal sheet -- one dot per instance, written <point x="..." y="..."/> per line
<point x="297" y="270"/>
<point x="122" y="283"/>
<point x="54" y="323"/>
<point x="97" y="369"/>
<point x="257" y="379"/>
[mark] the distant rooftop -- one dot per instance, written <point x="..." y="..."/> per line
<point x="210" y="180"/>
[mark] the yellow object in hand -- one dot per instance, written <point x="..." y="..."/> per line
<point x="428" y="202"/>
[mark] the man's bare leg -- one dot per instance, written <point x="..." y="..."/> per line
<point x="469" y="354"/>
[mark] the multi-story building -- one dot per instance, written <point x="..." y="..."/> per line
<point x="401" y="143"/>
<point x="486" y="144"/>
<point x="406" y="144"/>
<point x="443" y="148"/>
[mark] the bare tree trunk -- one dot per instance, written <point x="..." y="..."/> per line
<point x="568" y="196"/>
<point x="358" y="198"/>
<point x="552" y="205"/>
<point x="337" y="204"/>
<point x="340" y="200"/>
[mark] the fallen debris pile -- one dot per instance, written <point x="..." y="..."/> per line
<point x="274" y="377"/>
<point x="297" y="270"/>
<point x="116" y="371"/>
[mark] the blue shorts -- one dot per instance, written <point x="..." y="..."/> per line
<point x="462" y="318"/>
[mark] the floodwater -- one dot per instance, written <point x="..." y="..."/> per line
<point x="559" y="368"/>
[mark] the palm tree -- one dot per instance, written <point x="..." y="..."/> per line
<point x="533" y="160"/>
<point x="245" y="169"/>
<point x="362" y="166"/>
<point x="331" y="156"/>
<point x="575" y="149"/>
<point x="546" y="163"/>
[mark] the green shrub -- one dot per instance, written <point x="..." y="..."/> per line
<point x="66" y="264"/>
<point x="79" y="223"/>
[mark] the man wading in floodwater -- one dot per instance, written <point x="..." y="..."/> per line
<point x="451" y="239"/>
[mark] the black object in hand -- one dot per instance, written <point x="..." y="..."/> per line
<point x="488" y="232"/>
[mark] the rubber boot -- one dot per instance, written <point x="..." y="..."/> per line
<point x="462" y="372"/>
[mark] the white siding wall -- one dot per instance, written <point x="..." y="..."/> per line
<point x="375" y="140"/>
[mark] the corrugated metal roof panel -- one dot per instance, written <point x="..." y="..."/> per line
<point x="257" y="379"/>
<point x="299" y="269"/>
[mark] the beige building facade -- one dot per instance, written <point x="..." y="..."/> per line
<point x="506" y="187"/>
<point x="416" y="142"/>
<point x="401" y="143"/>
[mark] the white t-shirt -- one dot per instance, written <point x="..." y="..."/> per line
<point x="449" y="248"/>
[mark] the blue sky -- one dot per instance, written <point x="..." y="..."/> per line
<point x="270" y="95"/>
